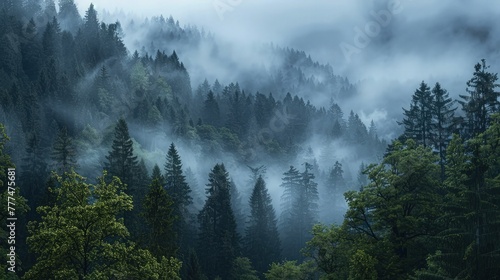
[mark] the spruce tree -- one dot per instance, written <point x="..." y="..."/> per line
<point x="261" y="243"/>
<point x="418" y="119"/>
<point x="156" y="174"/>
<point x="443" y="124"/>
<point x="122" y="163"/>
<point x="180" y="192"/>
<point x="63" y="152"/>
<point x="218" y="241"/>
<point x="159" y="216"/>
<point x="481" y="101"/>
<point x="300" y="206"/>
<point x="211" y="111"/>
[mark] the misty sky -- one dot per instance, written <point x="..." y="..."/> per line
<point x="435" y="41"/>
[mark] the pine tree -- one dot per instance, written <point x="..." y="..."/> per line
<point x="482" y="100"/>
<point x="122" y="163"/>
<point x="194" y="271"/>
<point x="158" y="175"/>
<point x="336" y="180"/>
<point x="418" y="119"/>
<point x="443" y="124"/>
<point x="237" y="207"/>
<point x="218" y="241"/>
<point x="159" y="216"/>
<point x="63" y="152"/>
<point x="211" y="111"/>
<point x="300" y="206"/>
<point x="33" y="171"/>
<point x="180" y="192"/>
<point x="261" y="243"/>
<point x="69" y="16"/>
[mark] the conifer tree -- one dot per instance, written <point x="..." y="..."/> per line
<point x="418" y="119"/>
<point x="194" y="271"/>
<point x="180" y="192"/>
<point x="218" y="241"/>
<point x="86" y="237"/>
<point x="63" y="152"/>
<point x="261" y="243"/>
<point x="237" y="207"/>
<point x="443" y="124"/>
<point x="122" y="163"/>
<point x="300" y="206"/>
<point x="211" y="111"/>
<point x="159" y="216"/>
<point x="481" y="101"/>
<point x="156" y="174"/>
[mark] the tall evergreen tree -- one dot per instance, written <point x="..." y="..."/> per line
<point x="159" y="216"/>
<point x="418" y="119"/>
<point x="261" y="243"/>
<point x="69" y="16"/>
<point x="300" y="199"/>
<point x="218" y="242"/>
<point x="122" y="163"/>
<point x="180" y="192"/>
<point x="481" y="101"/>
<point x="211" y="111"/>
<point x="443" y="124"/>
<point x="156" y="174"/>
<point x="63" y="152"/>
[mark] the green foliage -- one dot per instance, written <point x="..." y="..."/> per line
<point x="290" y="270"/>
<point x="362" y="267"/>
<point x="242" y="270"/>
<point x="63" y="152"/>
<point x="398" y="208"/>
<point x="139" y="77"/>
<point x="330" y="248"/>
<point x="81" y="236"/>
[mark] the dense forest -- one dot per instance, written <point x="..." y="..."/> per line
<point x="116" y="163"/>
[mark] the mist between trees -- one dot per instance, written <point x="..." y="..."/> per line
<point x="127" y="170"/>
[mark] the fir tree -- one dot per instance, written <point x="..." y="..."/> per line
<point x="482" y="100"/>
<point x="418" y="119"/>
<point x="180" y="192"/>
<point x="122" y="163"/>
<point x="443" y="123"/>
<point x="63" y="152"/>
<point x="211" y="111"/>
<point x="218" y="241"/>
<point x="261" y="243"/>
<point x="159" y="216"/>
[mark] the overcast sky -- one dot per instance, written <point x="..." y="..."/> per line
<point x="446" y="30"/>
<point x="390" y="44"/>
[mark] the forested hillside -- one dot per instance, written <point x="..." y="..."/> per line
<point x="131" y="159"/>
